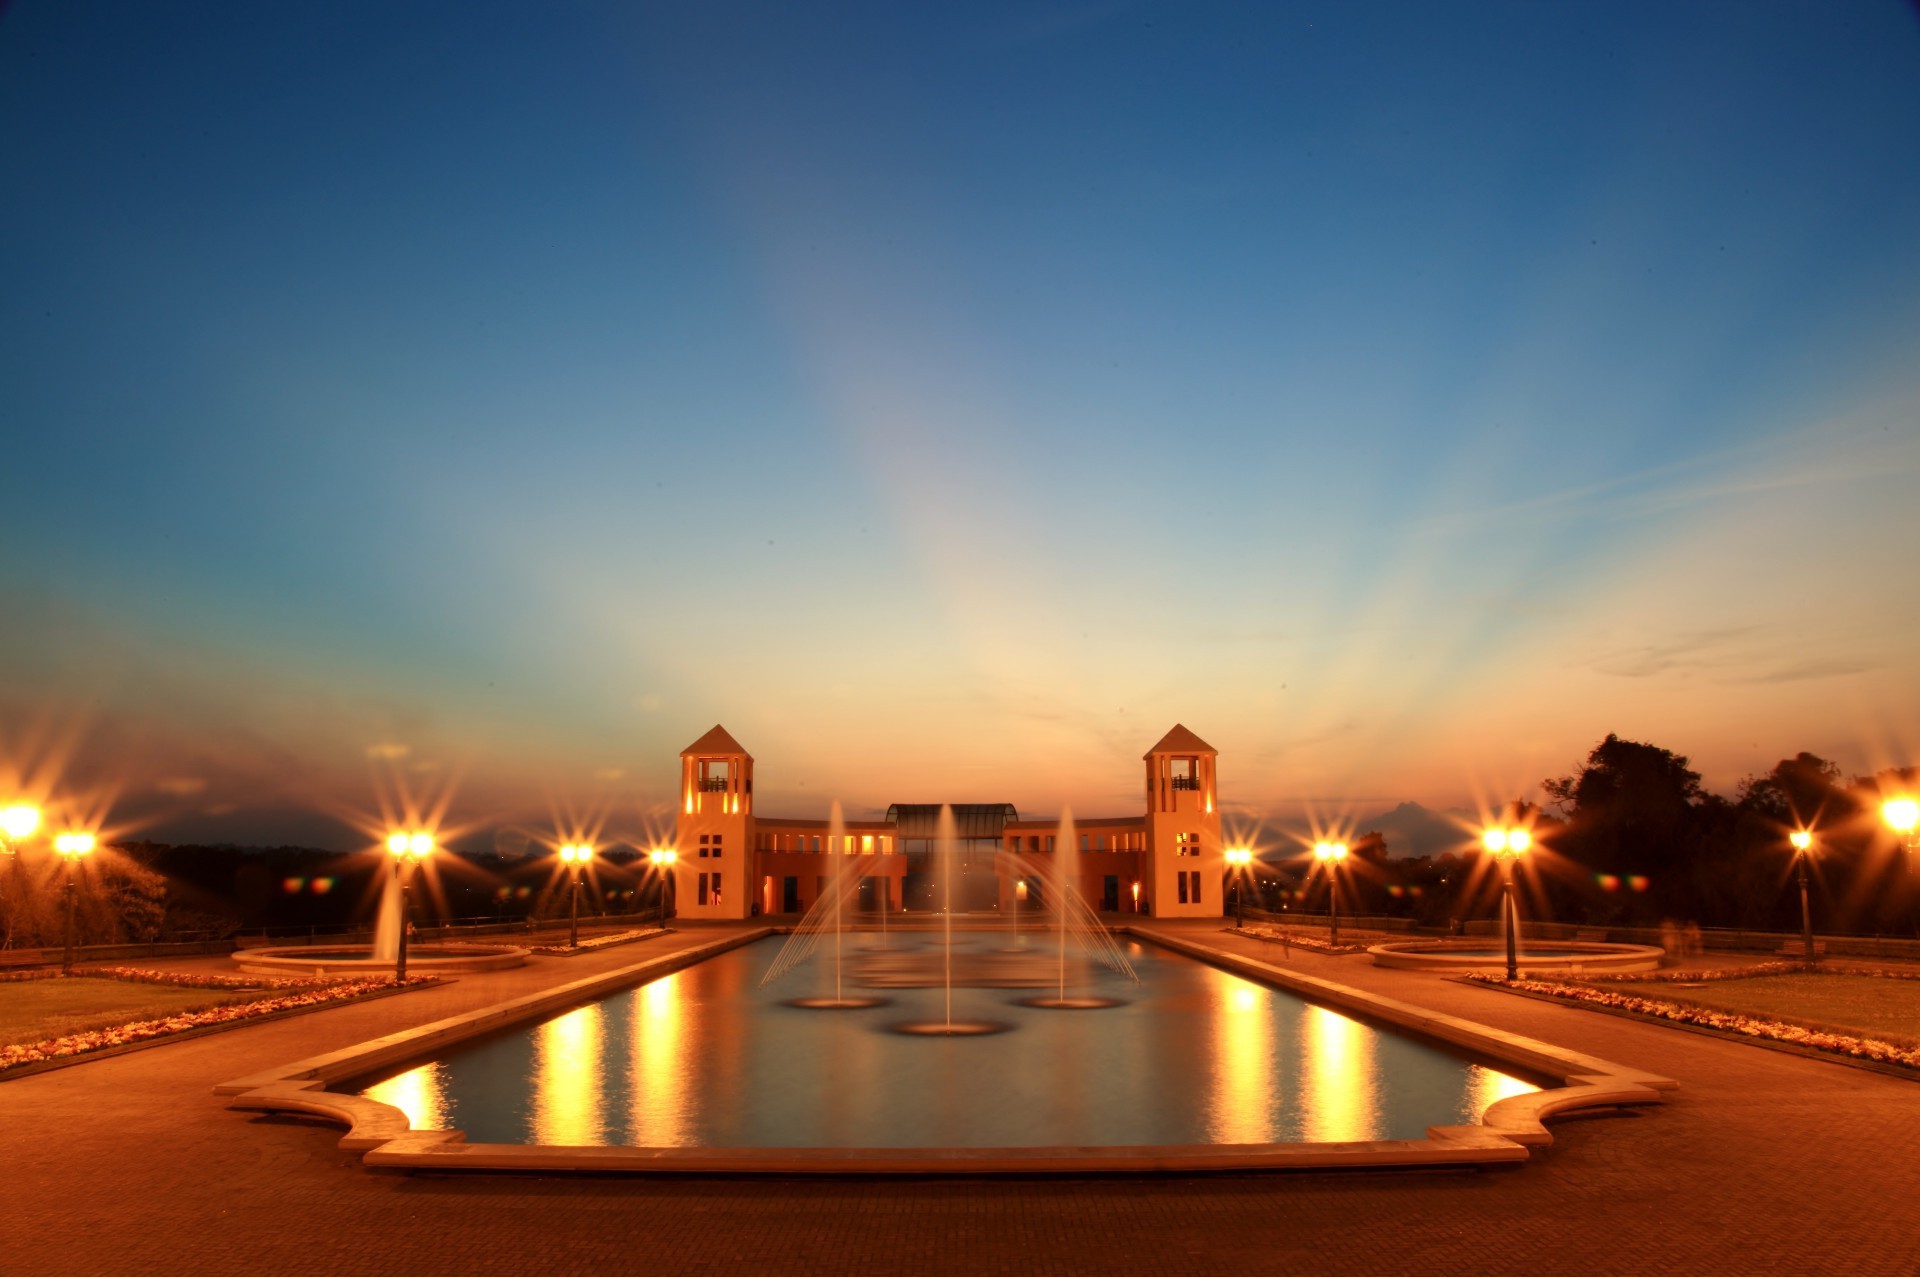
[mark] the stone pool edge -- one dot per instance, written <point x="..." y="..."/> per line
<point x="1586" y="1081"/>
<point x="1506" y="1131"/>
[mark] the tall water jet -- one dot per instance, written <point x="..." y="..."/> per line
<point x="1066" y="865"/>
<point x="946" y="854"/>
<point x="1067" y="907"/>
<point x="836" y="839"/>
<point x="946" y="837"/>
<point x="827" y="913"/>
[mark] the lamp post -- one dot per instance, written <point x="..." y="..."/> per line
<point x="662" y="859"/>
<point x="1802" y="840"/>
<point x="407" y="850"/>
<point x="575" y="854"/>
<point x="71" y="847"/>
<point x="1331" y="854"/>
<point x="1507" y="846"/>
<point x="1239" y="858"/>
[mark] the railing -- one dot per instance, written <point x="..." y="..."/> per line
<point x="1718" y="938"/>
<point x="712" y="784"/>
<point x="50" y="954"/>
<point x="1186" y="782"/>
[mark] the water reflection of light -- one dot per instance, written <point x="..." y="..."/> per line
<point x="1340" y="1067"/>
<point x="568" y="1085"/>
<point x="1485" y="1087"/>
<point x="661" y="1095"/>
<point x="419" y="1093"/>
<point x="1243" y="1101"/>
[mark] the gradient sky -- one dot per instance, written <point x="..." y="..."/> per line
<point x="949" y="398"/>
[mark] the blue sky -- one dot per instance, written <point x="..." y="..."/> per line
<point x="950" y="398"/>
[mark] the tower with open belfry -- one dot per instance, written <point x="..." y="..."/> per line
<point x="714" y="830"/>
<point x="1183" y="827"/>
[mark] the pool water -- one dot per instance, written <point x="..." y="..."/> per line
<point x="707" y="1058"/>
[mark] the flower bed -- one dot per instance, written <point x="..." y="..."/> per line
<point x="598" y="942"/>
<point x="314" y="994"/>
<point x="1876" y="1050"/>
<point x="1294" y="939"/>
<point x="1701" y="977"/>
<point x="1756" y="971"/>
<point x="185" y="980"/>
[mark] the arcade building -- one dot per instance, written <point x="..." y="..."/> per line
<point x="734" y="862"/>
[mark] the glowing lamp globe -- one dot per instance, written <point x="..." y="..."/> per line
<point x="19" y="820"/>
<point x="71" y="845"/>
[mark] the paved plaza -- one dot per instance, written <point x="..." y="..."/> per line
<point x="1763" y="1161"/>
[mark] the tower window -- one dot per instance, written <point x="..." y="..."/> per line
<point x="1186" y="773"/>
<point x="1186" y="844"/>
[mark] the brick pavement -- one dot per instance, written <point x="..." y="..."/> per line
<point x="1762" y="1162"/>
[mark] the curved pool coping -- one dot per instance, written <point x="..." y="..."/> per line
<point x="1545" y="957"/>
<point x="435" y="958"/>
<point x="1504" y="1134"/>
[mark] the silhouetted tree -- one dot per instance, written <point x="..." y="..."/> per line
<point x="1631" y="810"/>
<point x="1799" y="791"/>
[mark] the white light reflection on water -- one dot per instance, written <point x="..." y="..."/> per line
<point x="1243" y="1105"/>
<point x="1342" y="1099"/>
<point x="661" y="1110"/>
<point x="569" y="1080"/>
<point x="1485" y="1088"/>
<point x="419" y="1093"/>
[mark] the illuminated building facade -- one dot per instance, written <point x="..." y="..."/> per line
<point x="734" y="862"/>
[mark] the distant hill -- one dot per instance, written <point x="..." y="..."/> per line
<point x="1413" y="830"/>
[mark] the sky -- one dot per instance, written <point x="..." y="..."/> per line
<point x="486" y="399"/>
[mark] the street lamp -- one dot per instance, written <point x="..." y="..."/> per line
<point x="407" y="851"/>
<point x="576" y="854"/>
<point x="17" y="824"/>
<point x="71" y="847"/>
<point x="1239" y="858"/>
<point x="1331" y="854"/>
<point x="662" y="859"/>
<point x="1507" y="846"/>
<point x="1802" y="840"/>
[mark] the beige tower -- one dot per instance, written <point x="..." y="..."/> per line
<point x="1183" y="869"/>
<point x="713" y="832"/>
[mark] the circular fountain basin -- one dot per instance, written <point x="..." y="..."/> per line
<point x="1537" y="957"/>
<point x="423" y="959"/>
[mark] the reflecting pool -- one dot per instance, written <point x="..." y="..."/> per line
<point x="706" y="1057"/>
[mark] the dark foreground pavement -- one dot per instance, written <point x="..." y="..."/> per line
<point x="1763" y="1162"/>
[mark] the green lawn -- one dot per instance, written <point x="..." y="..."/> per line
<point x="36" y="1010"/>
<point x="1856" y="1003"/>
